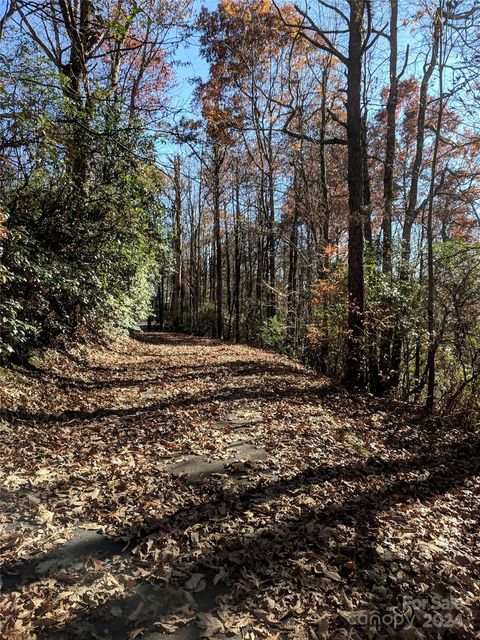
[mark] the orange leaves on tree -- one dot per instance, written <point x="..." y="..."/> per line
<point x="327" y="292"/>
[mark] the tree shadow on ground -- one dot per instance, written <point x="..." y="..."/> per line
<point x="253" y="393"/>
<point x="442" y="471"/>
<point x="185" y="339"/>
<point x="362" y="491"/>
<point x="236" y="368"/>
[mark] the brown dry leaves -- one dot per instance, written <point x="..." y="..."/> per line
<point x="358" y="501"/>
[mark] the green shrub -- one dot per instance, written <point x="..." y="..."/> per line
<point x="272" y="333"/>
<point x="205" y="321"/>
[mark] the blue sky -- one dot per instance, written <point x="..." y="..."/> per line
<point x="190" y="64"/>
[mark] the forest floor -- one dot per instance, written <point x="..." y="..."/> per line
<point x="176" y="487"/>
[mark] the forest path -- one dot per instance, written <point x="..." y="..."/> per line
<point x="172" y="486"/>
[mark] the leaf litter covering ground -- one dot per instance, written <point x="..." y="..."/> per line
<point x="353" y="504"/>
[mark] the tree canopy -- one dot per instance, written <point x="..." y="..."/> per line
<point x="319" y="197"/>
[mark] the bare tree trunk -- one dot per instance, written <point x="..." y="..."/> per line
<point x="80" y="23"/>
<point x="161" y="297"/>
<point x="326" y="212"/>
<point x="354" y="373"/>
<point x="411" y="212"/>
<point x="390" y="142"/>
<point x="367" y="205"/>
<point x="177" y="246"/>
<point x="388" y="335"/>
<point x="260" y="254"/>
<point x="271" y="308"/>
<point x="228" y="282"/>
<point x="237" y="260"/>
<point x="217" y="163"/>
<point x="432" y="343"/>
<point x="292" y="285"/>
<point x="371" y="330"/>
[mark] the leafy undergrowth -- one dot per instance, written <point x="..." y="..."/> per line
<point x="358" y="504"/>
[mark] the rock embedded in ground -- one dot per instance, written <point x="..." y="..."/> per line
<point x="285" y="530"/>
<point x="73" y="554"/>
<point x="197" y="468"/>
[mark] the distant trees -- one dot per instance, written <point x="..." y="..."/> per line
<point x="326" y="226"/>
<point x="323" y="201"/>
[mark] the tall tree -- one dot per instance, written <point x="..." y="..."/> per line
<point x="358" y="43"/>
<point x="177" y="245"/>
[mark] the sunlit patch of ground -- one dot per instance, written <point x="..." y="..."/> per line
<point x="184" y="486"/>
